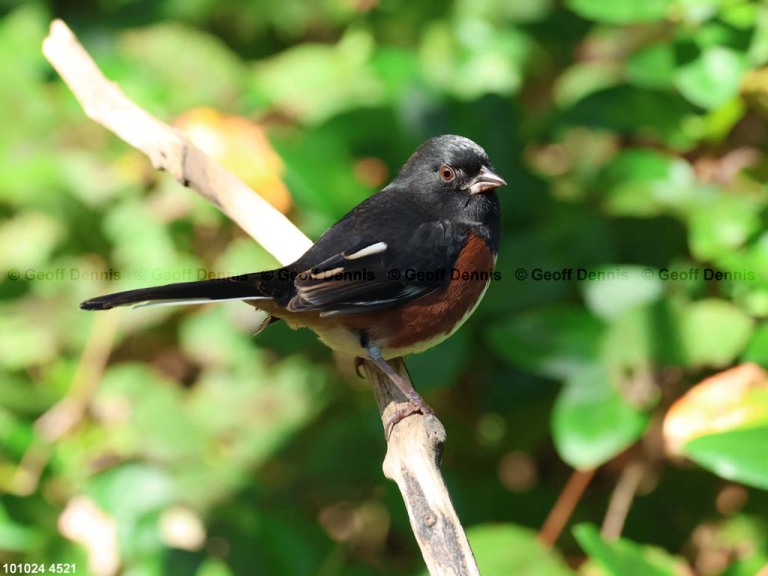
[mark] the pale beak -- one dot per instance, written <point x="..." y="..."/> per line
<point x="484" y="181"/>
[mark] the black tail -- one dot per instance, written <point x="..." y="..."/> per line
<point x="245" y="287"/>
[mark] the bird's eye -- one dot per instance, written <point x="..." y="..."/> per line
<point x="447" y="173"/>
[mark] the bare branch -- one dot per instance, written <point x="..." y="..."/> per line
<point x="414" y="447"/>
<point x="621" y="499"/>
<point x="566" y="503"/>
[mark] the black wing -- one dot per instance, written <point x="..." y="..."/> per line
<point x="378" y="273"/>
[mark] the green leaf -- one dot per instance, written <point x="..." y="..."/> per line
<point x="626" y="12"/>
<point x="739" y="455"/>
<point x="143" y="246"/>
<point x="721" y="223"/>
<point x="717" y="123"/>
<point x="25" y="339"/>
<point x="591" y="422"/>
<point x="15" y="537"/>
<point x="210" y="337"/>
<point x="557" y="342"/>
<point x="713" y="78"/>
<point x="27" y="241"/>
<point x="582" y="79"/>
<point x="338" y="77"/>
<point x="146" y="49"/>
<point x="130" y="491"/>
<point x="656" y="114"/>
<point x="644" y="336"/>
<point x="474" y="57"/>
<point x="758" y="49"/>
<point x="714" y="332"/>
<point x="640" y="182"/>
<point x="699" y="11"/>
<point x="625" y="558"/>
<point x="512" y="549"/>
<point x="744" y="533"/>
<point x="502" y="10"/>
<point x="654" y="66"/>
<point x="740" y="14"/>
<point x="318" y="152"/>
<point x="757" y="349"/>
<point x="214" y="567"/>
<point x="618" y="289"/>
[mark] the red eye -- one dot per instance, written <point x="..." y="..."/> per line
<point x="447" y="173"/>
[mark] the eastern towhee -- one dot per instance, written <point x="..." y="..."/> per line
<point x="395" y="276"/>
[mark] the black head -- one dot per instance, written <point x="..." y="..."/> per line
<point x="450" y="165"/>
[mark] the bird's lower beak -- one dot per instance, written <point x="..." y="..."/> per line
<point x="484" y="181"/>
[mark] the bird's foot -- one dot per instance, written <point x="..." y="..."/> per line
<point x="415" y="405"/>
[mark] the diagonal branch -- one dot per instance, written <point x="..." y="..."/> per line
<point x="415" y="445"/>
<point x="168" y="149"/>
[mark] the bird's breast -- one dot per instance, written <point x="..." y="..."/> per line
<point x="427" y="321"/>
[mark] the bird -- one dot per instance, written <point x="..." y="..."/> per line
<point x="397" y="275"/>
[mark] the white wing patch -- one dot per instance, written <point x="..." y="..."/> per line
<point x="327" y="273"/>
<point x="377" y="248"/>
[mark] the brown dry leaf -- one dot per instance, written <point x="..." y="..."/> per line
<point x="242" y="146"/>
<point x="717" y="404"/>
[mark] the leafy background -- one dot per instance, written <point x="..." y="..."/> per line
<point x="167" y="441"/>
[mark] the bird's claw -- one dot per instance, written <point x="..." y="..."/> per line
<point x="416" y="406"/>
<point x="358" y="364"/>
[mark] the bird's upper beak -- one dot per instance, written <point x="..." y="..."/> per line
<point x="486" y="180"/>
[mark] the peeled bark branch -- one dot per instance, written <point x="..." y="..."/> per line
<point x="415" y="445"/>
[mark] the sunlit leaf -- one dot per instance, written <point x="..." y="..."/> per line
<point x="512" y="549"/>
<point x="474" y="58"/>
<point x="337" y="77"/>
<point x="731" y="400"/>
<point x="242" y="146"/>
<point x="194" y="50"/>
<point x="740" y="455"/>
<point x="713" y="78"/>
<point x="27" y="241"/>
<point x="583" y="79"/>
<point x="641" y="182"/>
<point x="611" y="291"/>
<point x="24" y="343"/>
<point x="621" y="12"/>
<point x="714" y="332"/>
<point x="721" y="223"/>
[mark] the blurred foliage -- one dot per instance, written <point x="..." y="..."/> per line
<point x="634" y="264"/>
